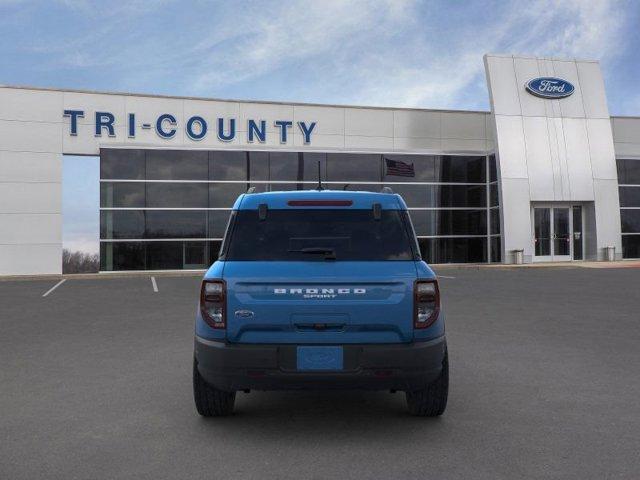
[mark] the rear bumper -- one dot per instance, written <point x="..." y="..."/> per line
<point x="273" y="367"/>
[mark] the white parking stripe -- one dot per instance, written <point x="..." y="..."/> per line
<point x="444" y="276"/>
<point x="154" y="284"/>
<point x="54" y="287"/>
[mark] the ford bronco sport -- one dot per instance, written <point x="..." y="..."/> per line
<point x="320" y="289"/>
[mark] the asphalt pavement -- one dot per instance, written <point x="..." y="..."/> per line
<point x="95" y="382"/>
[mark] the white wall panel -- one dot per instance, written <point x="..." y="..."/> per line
<point x="329" y="120"/>
<point x="631" y="150"/>
<point x="30" y="167"/>
<point x="607" y="205"/>
<point x="570" y="106"/>
<point x="554" y="140"/>
<point x="601" y="149"/>
<point x="461" y="145"/>
<point x="420" y="144"/>
<point x="368" y="143"/>
<point x="30" y="197"/>
<point x="511" y="146"/>
<point x="416" y="124"/>
<point x="30" y="136"/>
<point x="463" y="125"/>
<point x="30" y="259"/>
<point x="86" y="143"/>
<point x="30" y="105"/>
<point x="538" y="154"/>
<point x="368" y="122"/>
<point x="593" y="90"/>
<point x="30" y="228"/>
<point x="578" y="159"/>
<point x="516" y="217"/>
<point x="626" y="130"/>
<point x="503" y="79"/>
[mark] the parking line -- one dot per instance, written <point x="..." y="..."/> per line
<point x="154" y="284"/>
<point x="444" y="276"/>
<point x="54" y="287"/>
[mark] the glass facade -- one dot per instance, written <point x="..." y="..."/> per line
<point x="629" y="190"/>
<point x="168" y="209"/>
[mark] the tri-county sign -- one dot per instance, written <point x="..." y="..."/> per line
<point x="549" y="87"/>
<point x="196" y="127"/>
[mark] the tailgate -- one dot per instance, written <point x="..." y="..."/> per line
<point x="319" y="302"/>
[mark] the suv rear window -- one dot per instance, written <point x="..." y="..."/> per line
<point x="319" y="234"/>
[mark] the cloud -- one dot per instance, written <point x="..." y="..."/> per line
<point x="388" y="52"/>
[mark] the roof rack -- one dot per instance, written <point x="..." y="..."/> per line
<point x="386" y="190"/>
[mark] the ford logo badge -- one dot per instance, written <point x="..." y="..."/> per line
<point x="243" y="313"/>
<point x="549" y="87"/>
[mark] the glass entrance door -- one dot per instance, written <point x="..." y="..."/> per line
<point x="542" y="233"/>
<point x="561" y="250"/>
<point x="557" y="233"/>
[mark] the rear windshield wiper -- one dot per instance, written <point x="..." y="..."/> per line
<point x="329" y="253"/>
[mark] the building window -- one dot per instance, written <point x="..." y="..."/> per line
<point x="162" y="209"/>
<point x="629" y="192"/>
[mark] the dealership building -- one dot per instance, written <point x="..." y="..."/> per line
<point x="546" y="175"/>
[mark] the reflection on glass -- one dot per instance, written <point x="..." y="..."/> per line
<point x="630" y="196"/>
<point x="542" y="229"/>
<point x="285" y="166"/>
<point x="449" y="222"/>
<point x="128" y="195"/>
<point x="224" y="195"/>
<point x="496" y="249"/>
<point x="493" y="169"/>
<point x="453" y="250"/>
<point x="630" y="221"/>
<point x="177" y="165"/>
<point x="631" y="246"/>
<point x="177" y="195"/>
<point x="228" y="165"/>
<point x="577" y="233"/>
<point x="122" y="256"/>
<point x="176" y="224"/>
<point x="195" y="255"/>
<point x="561" y="236"/>
<point x="122" y="224"/>
<point x="218" y="222"/>
<point x="125" y="164"/>
<point x="628" y="171"/>
<point x="357" y="167"/>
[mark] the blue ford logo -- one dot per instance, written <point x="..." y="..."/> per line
<point x="244" y="313"/>
<point x="549" y="87"/>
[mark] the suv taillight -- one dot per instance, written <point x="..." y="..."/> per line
<point x="426" y="303"/>
<point x="212" y="303"/>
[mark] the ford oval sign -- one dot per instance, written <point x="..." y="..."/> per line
<point x="549" y="87"/>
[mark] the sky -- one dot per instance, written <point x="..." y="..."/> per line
<point x="399" y="53"/>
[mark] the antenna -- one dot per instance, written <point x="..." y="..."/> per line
<point x="319" y="178"/>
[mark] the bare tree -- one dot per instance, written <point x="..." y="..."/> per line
<point x="80" y="262"/>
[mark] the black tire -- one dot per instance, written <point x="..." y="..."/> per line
<point x="432" y="401"/>
<point x="211" y="402"/>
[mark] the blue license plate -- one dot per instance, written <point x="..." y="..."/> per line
<point x="320" y="358"/>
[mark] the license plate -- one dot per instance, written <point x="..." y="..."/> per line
<point x="320" y="358"/>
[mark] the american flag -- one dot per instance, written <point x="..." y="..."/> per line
<point x="399" y="169"/>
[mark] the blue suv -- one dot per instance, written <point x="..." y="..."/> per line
<point x="320" y="289"/>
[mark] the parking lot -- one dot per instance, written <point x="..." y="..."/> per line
<point x="95" y="382"/>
